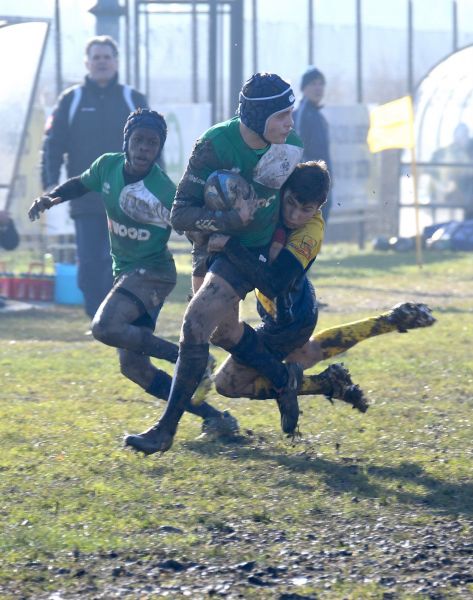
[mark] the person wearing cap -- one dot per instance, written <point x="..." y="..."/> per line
<point x="261" y="145"/>
<point x="312" y="126"/>
<point x="87" y="122"/>
<point x="138" y="197"/>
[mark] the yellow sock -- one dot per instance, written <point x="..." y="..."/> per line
<point x="336" y="340"/>
<point x="311" y="384"/>
<point x="314" y="385"/>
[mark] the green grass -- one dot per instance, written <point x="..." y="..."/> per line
<point x="355" y="496"/>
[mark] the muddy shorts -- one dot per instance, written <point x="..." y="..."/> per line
<point x="283" y="340"/>
<point x="148" y="289"/>
<point x="221" y="266"/>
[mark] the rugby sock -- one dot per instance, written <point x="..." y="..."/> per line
<point x="336" y="340"/>
<point x="315" y="384"/>
<point x="251" y="351"/>
<point x="157" y="347"/>
<point x="311" y="384"/>
<point x="161" y="386"/>
<point x="190" y="367"/>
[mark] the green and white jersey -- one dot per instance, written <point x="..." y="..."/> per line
<point x="138" y="214"/>
<point x="222" y="147"/>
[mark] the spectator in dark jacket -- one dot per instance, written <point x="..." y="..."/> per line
<point x="312" y="126"/>
<point x="9" y="238"/>
<point x="87" y="122"/>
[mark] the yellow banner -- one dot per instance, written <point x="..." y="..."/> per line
<point x="392" y="125"/>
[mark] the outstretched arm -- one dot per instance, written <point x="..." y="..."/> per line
<point x="72" y="188"/>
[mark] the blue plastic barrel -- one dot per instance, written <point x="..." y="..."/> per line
<point x="66" y="290"/>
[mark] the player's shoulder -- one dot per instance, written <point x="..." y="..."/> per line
<point x="113" y="157"/>
<point x="315" y="227"/>
<point x="221" y="130"/>
<point x="305" y="242"/>
<point x="110" y="160"/>
<point x="215" y="149"/>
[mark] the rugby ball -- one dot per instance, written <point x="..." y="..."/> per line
<point x="223" y="188"/>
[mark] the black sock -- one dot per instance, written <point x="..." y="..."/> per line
<point x="204" y="410"/>
<point x="189" y="370"/>
<point x="160" y="387"/>
<point x="251" y="351"/>
<point x="159" y="348"/>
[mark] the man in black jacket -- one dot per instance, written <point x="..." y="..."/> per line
<point x="87" y="122"/>
<point x="312" y="126"/>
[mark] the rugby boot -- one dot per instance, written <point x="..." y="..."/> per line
<point x="287" y="399"/>
<point x="155" y="439"/>
<point x="354" y="395"/>
<point x="410" y="315"/>
<point x="221" y="426"/>
<point x="341" y="387"/>
<point x="205" y="384"/>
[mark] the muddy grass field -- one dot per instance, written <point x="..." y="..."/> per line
<point x="363" y="506"/>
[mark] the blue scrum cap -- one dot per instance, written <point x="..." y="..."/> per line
<point x="262" y="96"/>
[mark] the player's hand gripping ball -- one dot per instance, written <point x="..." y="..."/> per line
<point x="225" y="190"/>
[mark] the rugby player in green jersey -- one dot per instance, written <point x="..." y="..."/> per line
<point x="261" y="146"/>
<point x="138" y="197"/>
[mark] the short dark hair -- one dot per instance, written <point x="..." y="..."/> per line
<point x="310" y="75"/>
<point x="309" y="182"/>
<point x="102" y="40"/>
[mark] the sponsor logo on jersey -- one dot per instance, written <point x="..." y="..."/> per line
<point x="194" y="178"/>
<point x="305" y="247"/>
<point x="138" y="203"/>
<point x="132" y="233"/>
<point x="106" y="187"/>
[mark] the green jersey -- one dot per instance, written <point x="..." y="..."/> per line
<point x="138" y="214"/>
<point x="222" y="147"/>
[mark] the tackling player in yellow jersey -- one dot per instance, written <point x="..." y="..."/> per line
<point x="287" y="304"/>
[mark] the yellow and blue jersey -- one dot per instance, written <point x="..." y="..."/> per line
<point x="294" y="305"/>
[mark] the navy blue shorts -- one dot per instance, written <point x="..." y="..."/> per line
<point x="283" y="340"/>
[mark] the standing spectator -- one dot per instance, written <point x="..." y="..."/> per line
<point x="452" y="184"/>
<point x="87" y="122"/>
<point x="312" y="126"/>
<point x="9" y="238"/>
